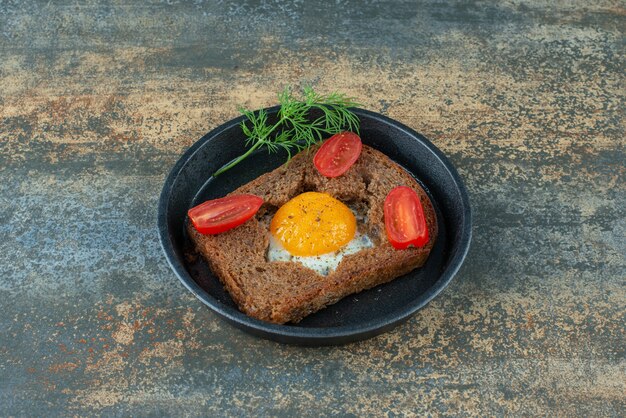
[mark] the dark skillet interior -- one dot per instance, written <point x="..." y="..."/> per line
<point x="355" y="317"/>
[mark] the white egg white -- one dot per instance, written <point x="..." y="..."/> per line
<point x="323" y="264"/>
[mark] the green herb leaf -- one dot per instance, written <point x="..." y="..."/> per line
<point x="295" y="130"/>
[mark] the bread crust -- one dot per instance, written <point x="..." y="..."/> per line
<point x="280" y="291"/>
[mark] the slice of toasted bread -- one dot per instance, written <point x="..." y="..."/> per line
<point x="281" y="291"/>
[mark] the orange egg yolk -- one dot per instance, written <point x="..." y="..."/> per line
<point x="312" y="224"/>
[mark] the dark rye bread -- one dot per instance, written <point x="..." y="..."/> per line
<point x="281" y="291"/>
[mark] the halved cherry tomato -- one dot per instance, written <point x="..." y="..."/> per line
<point x="338" y="154"/>
<point x="219" y="215"/>
<point x="404" y="218"/>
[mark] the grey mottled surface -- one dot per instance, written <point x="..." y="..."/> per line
<point x="99" y="99"/>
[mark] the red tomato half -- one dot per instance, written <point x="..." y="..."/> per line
<point x="337" y="154"/>
<point x="219" y="215"/>
<point x="404" y="219"/>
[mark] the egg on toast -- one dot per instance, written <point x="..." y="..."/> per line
<point x="315" y="239"/>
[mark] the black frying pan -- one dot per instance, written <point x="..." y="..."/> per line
<point x="355" y="317"/>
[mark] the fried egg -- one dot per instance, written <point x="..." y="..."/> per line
<point x="315" y="230"/>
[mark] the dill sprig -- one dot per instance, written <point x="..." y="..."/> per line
<point x="295" y="130"/>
